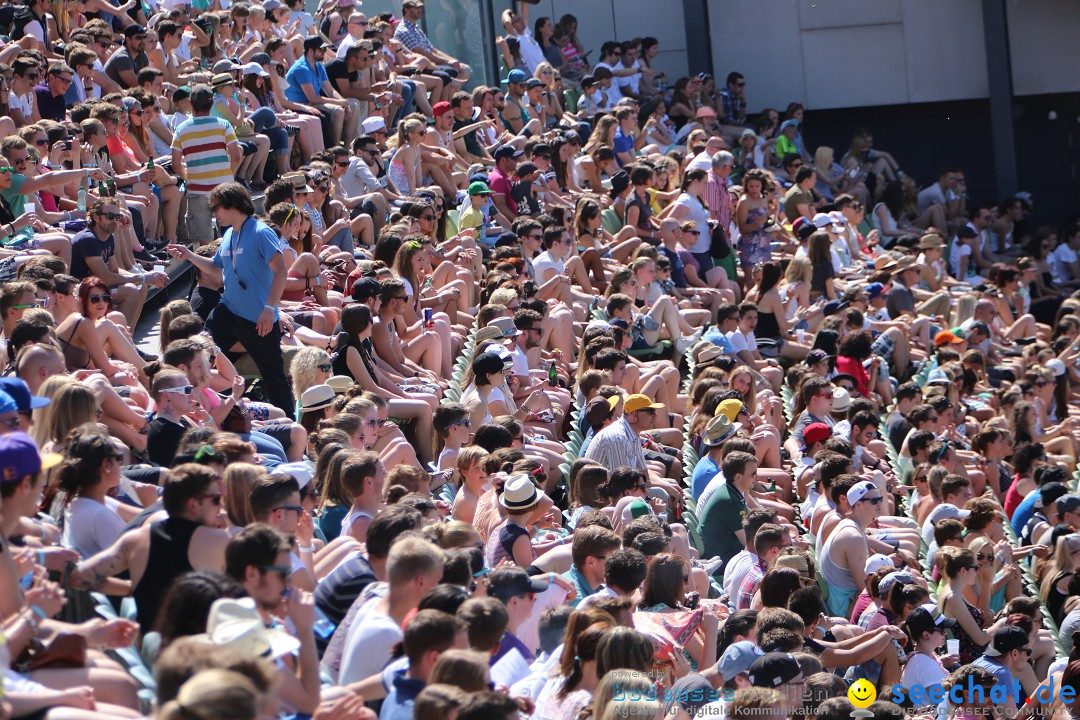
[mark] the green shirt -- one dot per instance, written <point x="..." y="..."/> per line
<point x="722" y="516"/>
<point x="785" y="147"/>
<point x="15" y="199"/>
<point x="577" y="579"/>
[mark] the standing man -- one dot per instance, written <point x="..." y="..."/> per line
<point x="252" y="267"/>
<point x="205" y="153"/>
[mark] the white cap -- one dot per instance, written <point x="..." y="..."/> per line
<point x="822" y="221"/>
<point x="254" y="68"/>
<point x="941" y="512"/>
<point x="859" y="490"/>
<point x="877" y="561"/>
<point x="1056" y="366"/>
<point x="298" y="470"/>
<point x="839" y="222"/>
<point x="374" y="124"/>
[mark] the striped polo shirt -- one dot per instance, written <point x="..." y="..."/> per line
<point x="204" y="142"/>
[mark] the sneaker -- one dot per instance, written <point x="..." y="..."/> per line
<point x="144" y="255"/>
<point x="712" y="564"/>
<point x="146" y="356"/>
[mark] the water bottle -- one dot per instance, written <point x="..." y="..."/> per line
<point x="82" y="196"/>
<point x="150" y="163"/>
<point x="553" y="375"/>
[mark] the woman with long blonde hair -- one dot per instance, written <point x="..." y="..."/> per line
<point x="43" y="415"/>
<point x="1054" y="588"/>
<point x="74" y="405"/>
<point x="239" y="479"/>
<point x="404" y="168"/>
<point x="310" y="366"/>
<point x="550" y="97"/>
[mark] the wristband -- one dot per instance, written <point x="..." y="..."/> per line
<point x="41" y="557"/>
<point x="271" y="308"/>
<point x="306" y="549"/>
<point x="39" y="612"/>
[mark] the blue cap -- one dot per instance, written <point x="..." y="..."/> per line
<point x="20" y="392"/>
<point x="737" y="659"/>
<point x="517" y="76"/>
<point x="7" y="403"/>
<point x="937" y="375"/>
<point x="874" y="290"/>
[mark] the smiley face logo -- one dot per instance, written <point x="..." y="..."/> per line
<point x="862" y="694"/>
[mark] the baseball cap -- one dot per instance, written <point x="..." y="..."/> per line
<point x="860" y="490"/>
<point x="517" y="77"/>
<point x="525" y="168"/>
<point x="20" y="393"/>
<point x="619" y="182"/>
<point x="225" y="65"/>
<point x="19" y="457"/>
<point x="875" y="290"/>
<point x="479" y="188"/>
<point x="877" y="561"/>
<point x="587" y="82"/>
<point x="1055" y="366"/>
<point x="839" y="222"/>
<point x="134" y="30"/>
<point x="440" y="108"/>
<point x="374" y="124"/>
<point x="181" y="93"/>
<point x="597" y="411"/>
<point x="947" y="337"/>
<point x="774" y="669"/>
<point x="1006" y="639"/>
<point x="821" y="221"/>
<point x="365" y="289"/>
<point x="737" y="659"/>
<point x="730" y="407"/>
<point x="692" y="692"/>
<point x="937" y="375"/>
<point x="7" y="403"/>
<point x="270" y="5"/>
<point x="816" y="356"/>
<point x="640" y="402"/>
<point x="1068" y="503"/>
<point x="315" y="43"/>
<point x="533" y="82"/>
<point x="254" y="68"/>
<point x="507" y="582"/>
<point x="506" y="239"/>
<point x="508" y="151"/>
<point x="927" y="618"/>
<point x="816" y="432"/>
<point x="946" y="510"/>
<point x="887" y="582"/>
<point x="487" y="363"/>
<point x="1049" y="493"/>
<point x="789" y="123"/>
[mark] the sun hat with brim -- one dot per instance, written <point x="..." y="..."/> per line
<point x="298" y="180"/>
<point x="519" y="493"/>
<point x="236" y="624"/>
<point x="905" y="263"/>
<point x="747" y="133"/>
<point x="719" y="430"/>
<point x="795" y="562"/>
<point x="341" y="384"/>
<point x="317" y="397"/>
<point x="489" y="333"/>
<point x="930" y="241"/>
<point x="19" y="458"/>
<point x="709" y="352"/>
<point x="841" y="399"/>
<point x="885" y="262"/>
<point x="505" y="325"/>
<point x="730" y="407"/>
<point x="937" y="375"/>
<point x="222" y="79"/>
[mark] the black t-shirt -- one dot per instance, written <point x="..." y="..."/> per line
<point x="162" y="440"/>
<point x="521" y="193"/>
<point x="86" y="245"/>
<point x="339" y="70"/>
<point x="472" y="143"/>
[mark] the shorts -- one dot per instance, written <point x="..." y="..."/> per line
<point x="200" y="225"/>
<point x="883" y="346"/>
<point x="304" y="318"/>
<point x="249" y="147"/>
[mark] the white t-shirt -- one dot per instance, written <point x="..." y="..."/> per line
<point x="930" y="195"/>
<point x="368" y="647"/>
<point x="922" y="670"/>
<point x="544" y="262"/>
<point x="90" y="526"/>
<point x="521" y="363"/>
<point x="714" y="485"/>
<point x="25" y="103"/>
<point x="33" y="28"/>
<point x="530" y="50"/>
<point x="957" y="252"/>
<point x="612" y="92"/>
<point x="631" y="81"/>
<point x="740" y="341"/>
<point x="1059" y="260"/>
<point x="699" y="214"/>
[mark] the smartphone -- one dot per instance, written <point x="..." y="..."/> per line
<point x="67" y="144"/>
<point x="692" y="601"/>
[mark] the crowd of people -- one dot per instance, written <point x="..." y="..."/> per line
<point x="586" y="395"/>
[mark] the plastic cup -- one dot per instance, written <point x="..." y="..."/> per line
<point x="953" y="647"/>
<point x="159" y="268"/>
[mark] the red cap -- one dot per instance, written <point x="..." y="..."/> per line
<point x="816" y="432"/>
<point x="440" y="108"/>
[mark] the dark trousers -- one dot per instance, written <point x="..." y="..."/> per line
<point x="227" y="329"/>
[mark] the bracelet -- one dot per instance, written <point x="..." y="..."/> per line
<point x="270" y="308"/>
<point x="306" y="549"/>
<point x="69" y="216"/>
<point x="39" y="612"/>
<point x="41" y="557"/>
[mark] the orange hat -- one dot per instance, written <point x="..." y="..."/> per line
<point x="947" y="337"/>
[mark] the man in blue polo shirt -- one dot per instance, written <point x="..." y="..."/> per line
<point x="253" y="270"/>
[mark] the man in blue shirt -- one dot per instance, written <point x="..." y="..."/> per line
<point x="625" y="144"/>
<point x="253" y="270"/>
<point x="428" y="634"/>
<point x="310" y="85"/>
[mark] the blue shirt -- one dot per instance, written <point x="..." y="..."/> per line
<point x="623" y="144"/>
<point x="577" y="579"/>
<point x="704" y="471"/>
<point x="398" y="704"/>
<point x="1024" y="511"/>
<point x="719" y="339"/>
<point x="302" y="73"/>
<point x="245" y="265"/>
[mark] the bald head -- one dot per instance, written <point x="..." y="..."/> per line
<point x="37" y="362"/>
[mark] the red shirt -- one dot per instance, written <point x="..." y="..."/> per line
<point x="855" y="369"/>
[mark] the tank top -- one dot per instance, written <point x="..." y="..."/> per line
<point x="644" y="211"/>
<point x="1055" y="601"/>
<point x="969" y="649"/>
<point x="834" y="574"/>
<point x="353" y="516"/>
<point x="166" y="561"/>
<point x="767" y="326"/>
<point x="75" y="358"/>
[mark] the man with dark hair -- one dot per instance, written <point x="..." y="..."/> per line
<point x="427" y="635"/>
<point x="798" y="201"/>
<point x="124" y="64"/>
<point x="740" y="564"/>
<point x="768" y="542"/>
<point x="253" y="272"/>
<point x="258" y="558"/>
<point x="733" y="101"/>
<point x="721" y="521"/>
<point x="591" y="548"/>
<point x="309" y="84"/>
<point x="624" y="571"/>
<point x="159" y="552"/>
<point x="486" y="619"/>
<point x="49" y="95"/>
<point x="205" y="154"/>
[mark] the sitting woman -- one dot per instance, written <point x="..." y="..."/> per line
<point x="95" y="304"/>
<point x="353" y="358"/>
<point x="306" y="274"/>
<point x="91" y="471"/>
<point x="667" y="581"/>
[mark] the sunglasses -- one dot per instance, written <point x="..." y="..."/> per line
<point x="293" y="508"/>
<point x="182" y="390"/>
<point x="24" y="306"/>
<point x="6" y="169"/>
<point x="40" y="142"/>
<point x="110" y="216"/>
<point x="345" y="163"/>
<point x="214" y="498"/>
<point x="873" y="501"/>
<point x="984" y="557"/>
<point x="466" y="423"/>
<point x="94" y="299"/>
<point x="326" y="367"/>
<point x="281" y="570"/>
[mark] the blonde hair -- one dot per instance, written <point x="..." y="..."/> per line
<point x="215" y="695"/>
<point x="239" y="479"/>
<point x="305" y="368"/>
<point x="74" y="405"/>
<point x="172" y="310"/>
<point x="406" y="127"/>
<point x="823" y="158"/>
<point x="624" y="681"/>
<point x="43" y="415"/>
<point x="800" y="269"/>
